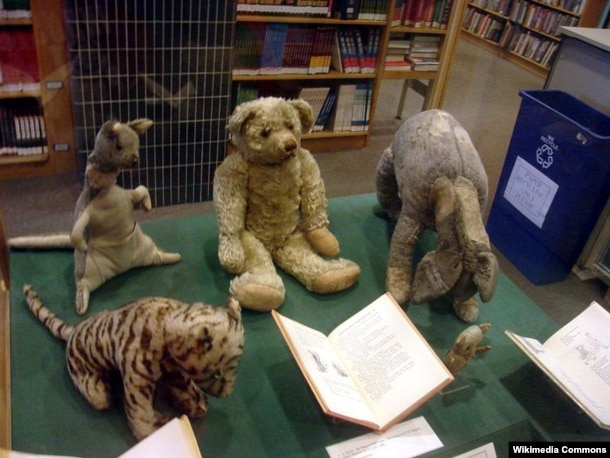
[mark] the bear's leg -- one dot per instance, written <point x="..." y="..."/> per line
<point x="317" y="274"/>
<point x="400" y="258"/>
<point x="259" y="288"/>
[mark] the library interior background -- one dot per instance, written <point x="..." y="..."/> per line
<point x="506" y="215"/>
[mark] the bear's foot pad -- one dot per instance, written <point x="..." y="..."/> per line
<point x="336" y="280"/>
<point x="260" y="298"/>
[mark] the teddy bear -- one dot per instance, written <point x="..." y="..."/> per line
<point x="432" y="177"/>
<point x="271" y="208"/>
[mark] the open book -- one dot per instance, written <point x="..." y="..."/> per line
<point x="373" y="369"/>
<point x="577" y="359"/>
<point x="175" y="438"/>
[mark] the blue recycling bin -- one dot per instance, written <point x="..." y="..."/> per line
<point x="554" y="184"/>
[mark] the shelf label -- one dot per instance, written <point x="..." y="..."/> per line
<point x="54" y="85"/>
<point x="61" y="147"/>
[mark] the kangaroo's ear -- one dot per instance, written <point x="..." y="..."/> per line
<point x="140" y="125"/>
<point x="486" y="275"/>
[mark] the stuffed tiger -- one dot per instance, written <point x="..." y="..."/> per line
<point x="194" y="347"/>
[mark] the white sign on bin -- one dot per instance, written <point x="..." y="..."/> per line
<point x="530" y="191"/>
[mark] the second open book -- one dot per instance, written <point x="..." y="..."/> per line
<point x="373" y="369"/>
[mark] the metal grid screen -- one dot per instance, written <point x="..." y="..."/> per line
<point x="168" y="61"/>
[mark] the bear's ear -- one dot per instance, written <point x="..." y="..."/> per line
<point x="140" y="125"/>
<point x="305" y="113"/>
<point x="242" y="114"/>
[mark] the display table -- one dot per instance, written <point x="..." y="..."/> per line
<point x="272" y="412"/>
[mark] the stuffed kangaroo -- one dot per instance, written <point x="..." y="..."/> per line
<point x="106" y="236"/>
<point x="431" y="176"/>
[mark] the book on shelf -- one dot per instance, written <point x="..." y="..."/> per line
<point x="322" y="49"/>
<point x="341" y="117"/>
<point x="22" y="129"/>
<point x="426" y="13"/>
<point x="248" y="49"/>
<point x="15" y="9"/>
<point x="423" y="64"/>
<point x="315" y="96"/>
<point x="361" y="108"/>
<point x="273" y="48"/>
<point x="397" y="13"/>
<point x="373" y="10"/>
<point x="18" y="60"/>
<point x="345" y="54"/>
<point x="325" y="111"/>
<point x="289" y="8"/>
<point x="346" y="9"/>
<point x="343" y="369"/>
<point x="577" y="359"/>
<point x="297" y="50"/>
<point x="396" y="55"/>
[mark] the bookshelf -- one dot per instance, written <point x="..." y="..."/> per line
<point x="404" y="25"/>
<point x="374" y="24"/>
<point x="48" y="117"/>
<point x="526" y="32"/>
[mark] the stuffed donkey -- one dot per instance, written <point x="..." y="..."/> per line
<point x="431" y="176"/>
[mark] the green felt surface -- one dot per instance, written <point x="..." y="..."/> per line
<point x="272" y="412"/>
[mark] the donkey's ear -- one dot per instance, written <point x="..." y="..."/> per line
<point x="486" y="275"/>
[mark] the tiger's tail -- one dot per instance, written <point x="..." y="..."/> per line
<point x="56" y="325"/>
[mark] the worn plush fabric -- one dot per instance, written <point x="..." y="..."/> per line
<point x="270" y="206"/>
<point x="431" y="177"/>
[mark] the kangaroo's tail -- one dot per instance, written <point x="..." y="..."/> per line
<point x="59" y="241"/>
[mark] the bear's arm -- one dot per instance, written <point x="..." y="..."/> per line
<point x="230" y="181"/>
<point x="313" y="194"/>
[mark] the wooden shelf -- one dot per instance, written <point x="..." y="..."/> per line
<point x="306" y="20"/>
<point x="332" y="75"/>
<point x="20" y="95"/>
<point x="47" y="23"/>
<point x="588" y="17"/>
<point x="329" y="140"/>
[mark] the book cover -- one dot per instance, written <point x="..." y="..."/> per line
<point x="343" y="370"/>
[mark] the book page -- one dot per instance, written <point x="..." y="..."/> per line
<point x="577" y="358"/>
<point x="175" y="438"/>
<point x="323" y="370"/>
<point x="389" y="359"/>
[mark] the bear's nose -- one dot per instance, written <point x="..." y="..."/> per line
<point x="290" y="145"/>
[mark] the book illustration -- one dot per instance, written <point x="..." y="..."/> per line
<point x="359" y="371"/>
<point x="577" y="359"/>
